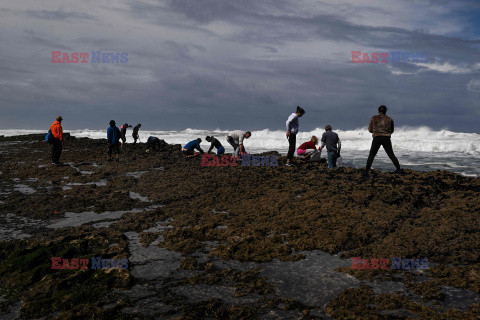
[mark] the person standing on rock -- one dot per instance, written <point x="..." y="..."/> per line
<point x="292" y="130"/>
<point x="57" y="143"/>
<point x="331" y="140"/>
<point x="135" y="133"/>
<point x="123" y="130"/>
<point x="381" y="126"/>
<point x="214" y="143"/>
<point x="113" y="140"/>
<point x="235" y="139"/>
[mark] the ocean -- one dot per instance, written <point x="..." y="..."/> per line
<point x="419" y="148"/>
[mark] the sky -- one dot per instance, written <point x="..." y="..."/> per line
<point x="239" y="64"/>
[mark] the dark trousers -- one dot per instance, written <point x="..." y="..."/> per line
<point x="387" y="145"/>
<point x="56" y="150"/>
<point x="113" y="147"/>
<point x="292" y="141"/>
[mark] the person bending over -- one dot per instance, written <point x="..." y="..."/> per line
<point x="153" y="143"/>
<point x="306" y="149"/>
<point x="214" y="143"/>
<point x="333" y="143"/>
<point x="235" y="139"/>
<point x="123" y="130"/>
<point x="189" y="149"/>
<point x="135" y="134"/>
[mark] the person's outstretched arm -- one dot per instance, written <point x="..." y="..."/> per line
<point x="211" y="147"/>
<point x="199" y="148"/>
<point x="324" y="142"/>
<point x="289" y="124"/>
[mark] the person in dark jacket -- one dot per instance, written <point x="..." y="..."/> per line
<point x="331" y="140"/>
<point x="153" y="143"/>
<point x="123" y="130"/>
<point x="189" y="149"/>
<point x="135" y="133"/>
<point x="381" y="126"/>
<point x="113" y="140"/>
<point x="214" y="143"/>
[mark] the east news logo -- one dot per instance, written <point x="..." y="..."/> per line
<point x="209" y="160"/>
<point x="396" y="263"/>
<point x="97" y="263"/>
<point x="96" y="57"/>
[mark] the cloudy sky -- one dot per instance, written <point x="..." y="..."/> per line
<point x="239" y="64"/>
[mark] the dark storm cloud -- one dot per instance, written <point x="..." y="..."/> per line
<point x="59" y="15"/>
<point x="36" y="39"/>
<point x="221" y="63"/>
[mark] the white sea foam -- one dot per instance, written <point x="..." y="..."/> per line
<point x="421" y="139"/>
<point x="420" y="148"/>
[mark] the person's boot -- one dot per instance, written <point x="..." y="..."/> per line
<point x="398" y="171"/>
<point x="365" y="174"/>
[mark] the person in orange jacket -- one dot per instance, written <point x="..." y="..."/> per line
<point x="57" y="145"/>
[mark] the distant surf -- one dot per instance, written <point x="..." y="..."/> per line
<point x="418" y="148"/>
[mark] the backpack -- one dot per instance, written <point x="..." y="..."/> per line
<point x="316" y="156"/>
<point x="49" y="137"/>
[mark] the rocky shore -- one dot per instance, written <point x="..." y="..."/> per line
<point x="239" y="242"/>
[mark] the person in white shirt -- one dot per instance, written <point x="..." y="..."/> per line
<point x="292" y="130"/>
<point x="235" y="138"/>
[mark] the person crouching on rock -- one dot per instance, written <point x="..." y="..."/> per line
<point x="153" y="143"/>
<point x="57" y="145"/>
<point x="215" y="144"/>
<point x="306" y="149"/>
<point x="189" y="148"/>
<point x="113" y="140"/>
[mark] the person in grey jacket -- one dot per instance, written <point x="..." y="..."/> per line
<point x="235" y="139"/>
<point x="292" y="130"/>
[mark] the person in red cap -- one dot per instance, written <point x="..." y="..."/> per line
<point x="57" y="145"/>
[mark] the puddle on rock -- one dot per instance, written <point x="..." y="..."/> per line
<point x="137" y="196"/>
<point x="73" y="219"/>
<point x="14" y="227"/>
<point x="102" y="182"/>
<point x="135" y="174"/>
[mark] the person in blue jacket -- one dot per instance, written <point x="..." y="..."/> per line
<point x="113" y="140"/>
<point x="189" y="148"/>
